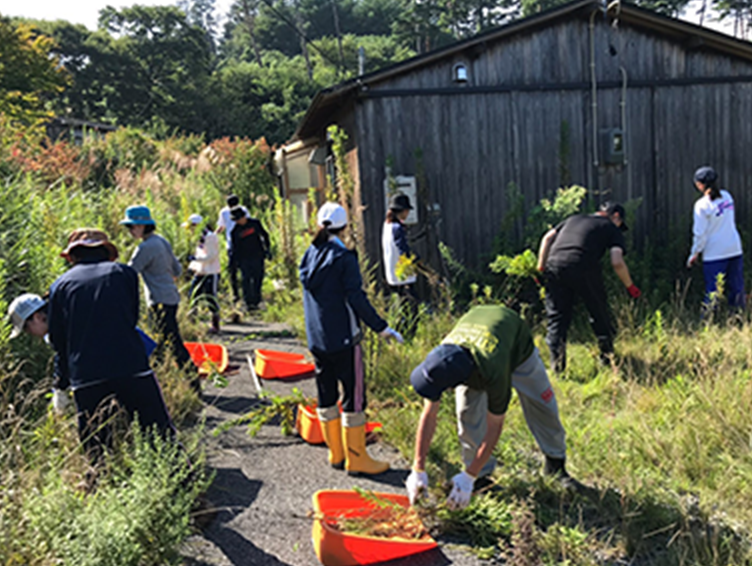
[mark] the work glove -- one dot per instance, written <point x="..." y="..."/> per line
<point x="417" y="483"/>
<point x="633" y="291"/>
<point x="462" y="491"/>
<point x="60" y="401"/>
<point x="390" y="333"/>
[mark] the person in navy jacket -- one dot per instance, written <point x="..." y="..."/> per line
<point x="92" y="315"/>
<point x="334" y="304"/>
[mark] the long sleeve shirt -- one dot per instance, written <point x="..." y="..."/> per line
<point x="92" y="325"/>
<point x="206" y="260"/>
<point x="394" y="245"/>
<point x="714" y="229"/>
<point x="159" y="267"/>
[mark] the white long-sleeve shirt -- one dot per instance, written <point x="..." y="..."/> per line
<point x="714" y="229"/>
<point x="207" y="255"/>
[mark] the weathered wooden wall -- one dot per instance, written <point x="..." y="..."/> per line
<point x="475" y="143"/>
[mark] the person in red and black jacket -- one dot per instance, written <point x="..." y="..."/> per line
<point x="250" y="245"/>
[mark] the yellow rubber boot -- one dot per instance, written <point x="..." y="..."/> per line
<point x="331" y="428"/>
<point x="357" y="460"/>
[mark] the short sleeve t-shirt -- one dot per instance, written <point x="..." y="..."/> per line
<point x="581" y="241"/>
<point x="499" y="341"/>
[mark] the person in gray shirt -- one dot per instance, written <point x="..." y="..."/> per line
<point x="158" y="266"/>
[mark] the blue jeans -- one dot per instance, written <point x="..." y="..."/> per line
<point x="732" y="269"/>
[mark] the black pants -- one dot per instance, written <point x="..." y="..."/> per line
<point x="252" y="273"/>
<point x="204" y="290"/>
<point x="98" y="404"/>
<point x="562" y="289"/>
<point x="345" y="367"/>
<point x="409" y="308"/>
<point x="168" y="334"/>
<point x="232" y="273"/>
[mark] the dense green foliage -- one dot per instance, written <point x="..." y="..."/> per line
<point x="174" y="69"/>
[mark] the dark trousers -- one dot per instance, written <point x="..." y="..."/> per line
<point x="98" y="404"/>
<point x="204" y="290"/>
<point x="232" y="274"/>
<point x="168" y="334"/>
<point x="733" y="272"/>
<point x="408" y="306"/>
<point x="252" y="274"/>
<point x="345" y="367"/>
<point x="562" y="289"/>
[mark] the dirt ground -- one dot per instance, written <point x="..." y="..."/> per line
<point x="263" y="485"/>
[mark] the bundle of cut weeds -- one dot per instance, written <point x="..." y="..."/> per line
<point x="388" y="519"/>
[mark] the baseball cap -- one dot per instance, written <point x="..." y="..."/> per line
<point x="332" y="215"/>
<point x="233" y="200"/>
<point x="400" y="201"/>
<point x="237" y="213"/>
<point x="614" y="208"/>
<point x="706" y="175"/>
<point x="447" y="365"/>
<point x="21" y="309"/>
<point x="193" y="220"/>
<point x="90" y="238"/>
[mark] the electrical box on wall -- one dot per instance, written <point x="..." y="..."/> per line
<point x="407" y="186"/>
<point x="612" y="146"/>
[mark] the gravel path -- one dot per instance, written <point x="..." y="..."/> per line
<point x="263" y="485"/>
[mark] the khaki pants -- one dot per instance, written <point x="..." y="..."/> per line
<point x="530" y="380"/>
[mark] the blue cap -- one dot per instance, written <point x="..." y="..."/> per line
<point x="447" y="365"/>
<point x="706" y="175"/>
<point x="137" y="215"/>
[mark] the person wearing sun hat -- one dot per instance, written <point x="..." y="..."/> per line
<point x="205" y="267"/>
<point x="154" y="260"/>
<point x="334" y="303"/>
<point x="489" y="352"/>
<point x="92" y="316"/>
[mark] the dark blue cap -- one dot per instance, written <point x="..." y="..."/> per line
<point x="706" y="175"/>
<point x="447" y="365"/>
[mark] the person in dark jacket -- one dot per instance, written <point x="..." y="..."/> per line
<point x="570" y="258"/>
<point x="334" y="304"/>
<point x="92" y="315"/>
<point x="250" y="245"/>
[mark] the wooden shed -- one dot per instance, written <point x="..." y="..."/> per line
<point x="616" y="98"/>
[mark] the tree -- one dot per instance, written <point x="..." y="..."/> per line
<point x="30" y="76"/>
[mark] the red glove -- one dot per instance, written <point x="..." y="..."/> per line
<point x="633" y="291"/>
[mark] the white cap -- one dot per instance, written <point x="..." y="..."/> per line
<point x="193" y="220"/>
<point x="332" y="215"/>
<point x="21" y="309"/>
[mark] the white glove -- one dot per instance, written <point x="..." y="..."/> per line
<point x="60" y="401"/>
<point x="390" y="333"/>
<point x="417" y="483"/>
<point x="462" y="491"/>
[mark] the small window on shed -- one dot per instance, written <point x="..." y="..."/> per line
<point x="460" y="74"/>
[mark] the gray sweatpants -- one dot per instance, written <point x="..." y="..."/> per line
<point x="538" y="401"/>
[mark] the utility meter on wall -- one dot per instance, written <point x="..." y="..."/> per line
<point x="612" y="146"/>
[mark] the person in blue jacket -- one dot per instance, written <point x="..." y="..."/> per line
<point x="334" y="304"/>
<point x="102" y="358"/>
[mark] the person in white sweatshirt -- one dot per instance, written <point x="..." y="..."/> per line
<point x="205" y="267"/>
<point x="715" y="237"/>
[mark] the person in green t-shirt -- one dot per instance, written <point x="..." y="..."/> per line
<point x="488" y="352"/>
